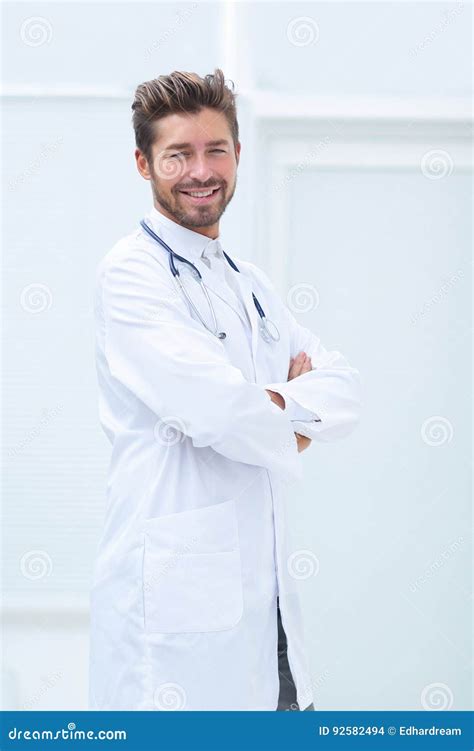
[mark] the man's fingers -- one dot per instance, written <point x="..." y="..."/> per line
<point x="298" y="365"/>
<point x="306" y="367"/>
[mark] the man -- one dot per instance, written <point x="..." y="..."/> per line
<point x="193" y="604"/>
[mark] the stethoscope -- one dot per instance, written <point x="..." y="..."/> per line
<point x="268" y="329"/>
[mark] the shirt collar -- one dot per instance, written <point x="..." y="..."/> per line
<point x="185" y="242"/>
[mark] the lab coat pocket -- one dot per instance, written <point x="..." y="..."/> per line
<point x="192" y="576"/>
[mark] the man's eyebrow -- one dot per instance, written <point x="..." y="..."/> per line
<point x="219" y="142"/>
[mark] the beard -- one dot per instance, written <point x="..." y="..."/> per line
<point x="192" y="216"/>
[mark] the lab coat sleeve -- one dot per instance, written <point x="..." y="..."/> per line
<point x="182" y="373"/>
<point x="295" y="411"/>
<point x="331" y="390"/>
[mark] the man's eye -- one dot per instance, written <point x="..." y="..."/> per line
<point x="181" y="154"/>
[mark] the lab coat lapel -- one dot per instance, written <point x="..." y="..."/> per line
<point x="246" y="289"/>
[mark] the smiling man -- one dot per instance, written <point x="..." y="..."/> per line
<point x="190" y="157"/>
<point x="209" y="390"/>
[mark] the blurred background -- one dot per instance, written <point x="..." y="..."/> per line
<point x="354" y="195"/>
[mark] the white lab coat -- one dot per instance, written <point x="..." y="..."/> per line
<point x="194" y="548"/>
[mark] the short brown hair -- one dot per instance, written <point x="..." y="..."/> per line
<point x="180" y="92"/>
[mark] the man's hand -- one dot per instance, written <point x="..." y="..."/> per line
<point x="298" y="365"/>
<point x="302" y="442"/>
<point x="276" y="398"/>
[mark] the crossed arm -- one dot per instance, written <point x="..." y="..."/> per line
<point x="161" y="355"/>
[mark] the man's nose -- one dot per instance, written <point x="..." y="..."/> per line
<point x="200" y="169"/>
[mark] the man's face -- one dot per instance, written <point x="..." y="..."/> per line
<point x="193" y="153"/>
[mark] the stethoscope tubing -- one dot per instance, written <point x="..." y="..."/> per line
<point x="267" y="335"/>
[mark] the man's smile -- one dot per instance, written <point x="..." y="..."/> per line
<point x="203" y="196"/>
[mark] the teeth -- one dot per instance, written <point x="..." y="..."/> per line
<point x="200" y="195"/>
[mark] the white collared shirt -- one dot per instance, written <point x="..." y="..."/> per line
<point x="213" y="256"/>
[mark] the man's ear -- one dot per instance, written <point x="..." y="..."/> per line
<point x="142" y="164"/>
<point x="237" y="151"/>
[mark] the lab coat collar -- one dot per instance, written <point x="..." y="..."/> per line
<point x="186" y="242"/>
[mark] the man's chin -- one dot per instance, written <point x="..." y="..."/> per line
<point x="198" y="217"/>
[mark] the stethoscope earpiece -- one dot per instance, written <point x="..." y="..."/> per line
<point x="268" y="329"/>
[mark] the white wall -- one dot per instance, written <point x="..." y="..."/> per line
<point x="353" y="194"/>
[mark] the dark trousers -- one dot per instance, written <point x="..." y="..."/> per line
<point x="287" y="695"/>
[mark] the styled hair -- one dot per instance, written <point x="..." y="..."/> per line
<point x="180" y="92"/>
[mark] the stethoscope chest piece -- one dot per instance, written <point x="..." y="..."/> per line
<point x="269" y="330"/>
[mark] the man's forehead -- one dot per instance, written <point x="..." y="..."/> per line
<point x="181" y="130"/>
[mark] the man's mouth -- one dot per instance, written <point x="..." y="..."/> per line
<point x="201" y="196"/>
